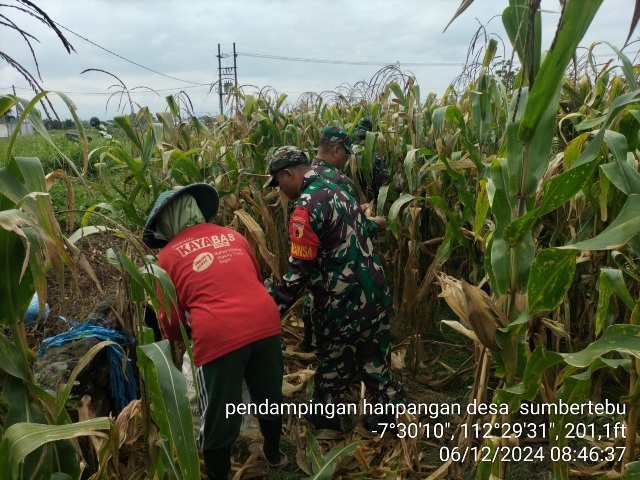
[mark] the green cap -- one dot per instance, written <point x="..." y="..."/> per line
<point x="284" y="157"/>
<point x="206" y="197"/>
<point x="337" y="135"/>
<point x="364" y="125"/>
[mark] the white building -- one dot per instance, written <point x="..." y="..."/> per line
<point x="7" y="129"/>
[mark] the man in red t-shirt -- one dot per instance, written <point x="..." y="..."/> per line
<point x="231" y="318"/>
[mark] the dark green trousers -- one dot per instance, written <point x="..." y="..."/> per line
<point x="220" y="385"/>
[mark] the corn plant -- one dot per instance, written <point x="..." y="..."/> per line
<point x="530" y="277"/>
<point x="37" y="434"/>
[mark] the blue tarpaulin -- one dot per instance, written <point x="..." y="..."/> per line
<point x="123" y="385"/>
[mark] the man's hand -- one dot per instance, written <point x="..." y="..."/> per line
<point x="381" y="221"/>
<point x="269" y="284"/>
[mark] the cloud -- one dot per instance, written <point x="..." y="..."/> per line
<point x="180" y="40"/>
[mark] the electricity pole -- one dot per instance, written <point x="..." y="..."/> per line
<point x="227" y="76"/>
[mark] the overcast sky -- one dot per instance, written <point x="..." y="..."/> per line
<point x="180" y="39"/>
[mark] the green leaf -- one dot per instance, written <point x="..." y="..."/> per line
<point x="631" y="472"/>
<point x="482" y="106"/>
<point x="540" y="360"/>
<point x="6" y="103"/>
<point x="603" y="311"/>
<point x="516" y="24"/>
<point x="167" y="390"/>
<point x="408" y="167"/>
<point x="382" y="199"/>
<point x="322" y="467"/>
<point x="120" y="260"/>
<point x="622" y="229"/>
<point x="574" y="390"/>
<point x="500" y="254"/>
<point x="576" y="18"/>
<point x="551" y="275"/>
<point x="482" y="207"/>
<point x="86" y="231"/>
<point x="625" y="177"/>
<point x="11" y="361"/>
<point x="314" y="455"/>
<point x="610" y="281"/>
<point x="124" y="122"/>
<point x="394" y="211"/>
<point x="20" y="439"/>
<point x="618" y="338"/>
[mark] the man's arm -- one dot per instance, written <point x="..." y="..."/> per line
<point x="302" y="259"/>
<point x="293" y="283"/>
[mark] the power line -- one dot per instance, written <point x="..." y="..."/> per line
<point x="126" y="59"/>
<point x="131" y="92"/>
<point x="348" y="62"/>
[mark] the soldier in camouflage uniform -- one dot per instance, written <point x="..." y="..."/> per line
<point x="333" y="154"/>
<point x="381" y="174"/>
<point x="351" y="300"/>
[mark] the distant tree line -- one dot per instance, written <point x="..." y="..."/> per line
<point x="56" y="124"/>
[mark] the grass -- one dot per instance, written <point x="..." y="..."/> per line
<point x="36" y="145"/>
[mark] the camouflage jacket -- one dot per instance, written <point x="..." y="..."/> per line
<point x="328" y="236"/>
<point x="335" y="176"/>
<point x="380" y="176"/>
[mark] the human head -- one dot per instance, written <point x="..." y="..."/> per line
<point x="364" y="125"/>
<point x="335" y="146"/>
<point x="198" y="204"/>
<point x="287" y="167"/>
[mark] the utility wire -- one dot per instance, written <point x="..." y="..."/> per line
<point x="270" y="57"/>
<point x="131" y="92"/>
<point x="126" y="59"/>
<point x="347" y="62"/>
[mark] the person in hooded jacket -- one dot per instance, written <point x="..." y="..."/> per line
<point x="230" y="317"/>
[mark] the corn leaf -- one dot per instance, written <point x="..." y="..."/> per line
<point x="168" y="392"/>
<point x="619" y="232"/>
<point x="20" y="439"/>
<point x="324" y="467"/>
<point x="625" y="177"/>
<point x="540" y="360"/>
<point x="124" y="122"/>
<point x="394" y="211"/>
<point x="552" y="273"/>
<point x="515" y="21"/>
<point x="620" y="338"/>
<point x="574" y="391"/>
<point x="576" y="18"/>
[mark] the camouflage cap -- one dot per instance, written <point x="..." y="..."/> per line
<point x="364" y="125"/>
<point x="285" y="157"/>
<point x="337" y="135"/>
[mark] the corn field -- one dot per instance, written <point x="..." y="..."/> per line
<point x="514" y="201"/>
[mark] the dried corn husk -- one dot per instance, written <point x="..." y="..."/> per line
<point x="370" y="211"/>
<point x="475" y="308"/>
<point x="397" y="359"/>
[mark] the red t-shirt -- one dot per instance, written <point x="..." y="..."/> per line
<point x="218" y="282"/>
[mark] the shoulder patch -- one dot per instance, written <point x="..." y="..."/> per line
<point x="304" y="241"/>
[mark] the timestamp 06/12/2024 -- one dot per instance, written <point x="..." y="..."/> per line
<point x="529" y="453"/>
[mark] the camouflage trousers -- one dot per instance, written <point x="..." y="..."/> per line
<point x="353" y="353"/>
<point x="306" y="321"/>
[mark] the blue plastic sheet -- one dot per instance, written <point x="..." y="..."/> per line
<point x="123" y="385"/>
